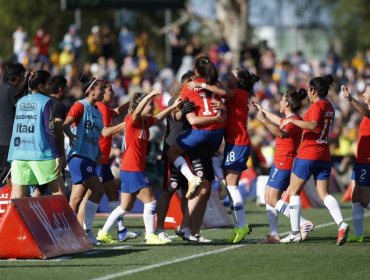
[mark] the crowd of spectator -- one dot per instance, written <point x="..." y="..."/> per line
<point x="128" y="61"/>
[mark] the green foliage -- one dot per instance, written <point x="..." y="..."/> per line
<point x="31" y="14"/>
<point x="351" y="22"/>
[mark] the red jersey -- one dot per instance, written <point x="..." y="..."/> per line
<point x="105" y="143"/>
<point x="236" y="128"/>
<point x="286" y="148"/>
<point x="363" y="144"/>
<point x="76" y="112"/>
<point x="202" y="99"/>
<point x="314" y="144"/>
<point x="136" y="141"/>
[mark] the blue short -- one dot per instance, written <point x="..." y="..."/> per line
<point x="361" y="174"/>
<point x="193" y="138"/>
<point x="236" y="157"/>
<point x="304" y="168"/>
<point x="279" y="178"/>
<point x="81" y="168"/>
<point x="104" y="173"/>
<point x="132" y="181"/>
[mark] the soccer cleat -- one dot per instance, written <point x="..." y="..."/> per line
<point x="269" y="239"/>
<point x="126" y="234"/>
<point x="233" y="234"/>
<point x="164" y="236"/>
<point x="152" y="239"/>
<point x="202" y="239"/>
<point x="342" y="235"/>
<point x="305" y="229"/>
<point x="222" y="189"/>
<point x="292" y="238"/>
<point x="105" y="237"/>
<point x="352" y="238"/>
<point x="193" y="187"/>
<point x="179" y="232"/>
<point x="241" y="233"/>
<point x="91" y="237"/>
<point x="188" y="236"/>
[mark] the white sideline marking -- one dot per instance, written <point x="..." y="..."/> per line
<point x="149" y="267"/>
<point x="132" y="271"/>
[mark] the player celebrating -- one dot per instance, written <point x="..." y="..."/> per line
<point x="361" y="170"/>
<point x="288" y="139"/>
<point x="85" y="155"/>
<point x="314" y="158"/>
<point x="105" y="143"/>
<point x="207" y="126"/>
<point x="237" y="145"/>
<point x="133" y="182"/>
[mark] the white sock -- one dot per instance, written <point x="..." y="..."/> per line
<point x="358" y="218"/>
<point x="272" y="216"/>
<point x="295" y="212"/>
<point x="112" y="205"/>
<point x="116" y="213"/>
<point x="237" y="206"/>
<point x="283" y="208"/>
<point x="181" y="164"/>
<point x="90" y="211"/>
<point x="368" y="206"/>
<point x="333" y="207"/>
<point x="149" y="216"/>
<point x="217" y="168"/>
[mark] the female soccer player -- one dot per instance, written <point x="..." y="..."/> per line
<point x="361" y="170"/>
<point x="33" y="152"/>
<point x="193" y="210"/>
<point x="206" y="127"/>
<point x="313" y="158"/>
<point x="133" y="182"/>
<point x="288" y="139"/>
<point x="237" y="145"/>
<point x="105" y="143"/>
<point x="85" y="154"/>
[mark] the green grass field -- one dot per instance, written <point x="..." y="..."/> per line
<point x="316" y="258"/>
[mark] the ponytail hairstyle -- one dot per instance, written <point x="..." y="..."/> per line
<point x="206" y="69"/>
<point x="322" y="85"/>
<point x="32" y="81"/>
<point x="247" y="80"/>
<point x="135" y="100"/>
<point x="87" y="83"/>
<point x="295" y="98"/>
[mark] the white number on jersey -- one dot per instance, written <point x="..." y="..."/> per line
<point x="323" y="139"/>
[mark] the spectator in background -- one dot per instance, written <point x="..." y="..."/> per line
<point x="197" y="45"/>
<point x="42" y="41"/>
<point x="13" y="76"/>
<point x="107" y="42"/>
<point x="19" y="39"/>
<point x="177" y="45"/>
<point x="73" y="39"/>
<point x="126" y="41"/>
<point x="94" y="44"/>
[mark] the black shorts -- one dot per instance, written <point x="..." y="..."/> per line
<point x="201" y="165"/>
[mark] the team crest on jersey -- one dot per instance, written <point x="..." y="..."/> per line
<point x="174" y="185"/>
<point x="89" y="169"/>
